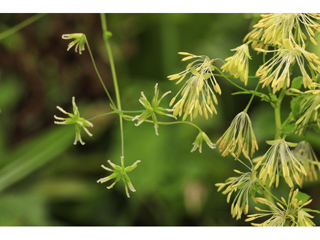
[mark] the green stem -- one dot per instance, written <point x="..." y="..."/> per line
<point x="21" y="25"/>
<point x="277" y="112"/>
<point x="106" y="36"/>
<point x="169" y="123"/>
<point x="267" y="190"/>
<point x="219" y="75"/>
<point x="109" y="113"/>
<point x="96" y="69"/>
<point x="243" y="89"/>
<point x="249" y="103"/>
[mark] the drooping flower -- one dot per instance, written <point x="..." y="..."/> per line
<point x="243" y="183"/>
<point x="275" y="27"/>
<point x="289" y="213"/>
<point x="308" y="108"/>
<point x="152" y="109"/>
<point x="79" y="41"/>
<point x="240" y="134"/>
<point x="305" y="154"/>
<point x="202" y="136"/>
<point x="276" y="71"/>
<point x="280" y="160"/>
<point x="119" y="173"/>
<point x="197" y="97"/>
<point x="79" y="122"/>
<point x="238" y="64"/>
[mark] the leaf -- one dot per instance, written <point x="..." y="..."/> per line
<point x="295" y="107"/>
<point x="34" y="153"/>
<point x="315" y="128"/>
<point x="311" y="210"/>
<point x="254" y="189"/>
<point x="288" y="128"/>
<point x="297" y="82"/>
<point x="303" y="197"/>
<point x="273" y="97"/>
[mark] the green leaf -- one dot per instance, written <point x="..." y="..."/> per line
<point x="303" y="197"/>
<point x="254" y="189"/>
<point x="273" y="97"/>
<point x="311" y="210"/>
<point x="315" y="128"/>
<point x="34" y="153"/>
<point x="297" y="82"/>
<point x="288" y="128"/>
<point x="295" y="107"/>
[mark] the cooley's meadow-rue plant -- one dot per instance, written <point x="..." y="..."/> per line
<point x="280" y="41"/>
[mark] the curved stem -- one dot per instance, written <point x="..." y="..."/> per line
<point x="21" y="25"/>
<point x="267" y="190"/>
<point x="170" y="123"/>
<point x="250" y="101"/>
<point x="114" y="76"/>
<point x="229" y="79"/>
<point x="277" y="112"/>
<point x="96" y="69"/>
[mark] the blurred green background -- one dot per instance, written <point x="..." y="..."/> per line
<point x="46" y="180"/>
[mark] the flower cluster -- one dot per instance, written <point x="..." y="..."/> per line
<point x="279" y="157"/>
<point x="305" y="154"/>
<point x="80" y="123"/>
<point x="289" y="213"/>
<point x="243" y="183"/>
<point x="79" y="41"/>
<point x="119" y="173"/>
<point x="238" y="64"/>
<point x="240" y="133"/>
<point x="272" y="28"/>
<point x="152" y="109"/>
<point x="197" y="97"/>
<point x="309" y="104"/>
<point x="277" y="69"/>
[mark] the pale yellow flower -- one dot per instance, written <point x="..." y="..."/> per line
<point x="290" y="213"/>
<point x="276" y="71"/>
<point x="273" y="28"/>
<point x="279" y="160"/>
<point x="202" y="136"/>
<point x="119" y="173"/>
<point x="309" y="105"/>
<point x="152" y="109"/>
<point x="74" y="118"/>
<point x="238" y="64"/>
<point x="240" y="134"/>
<point x="305" y="154"/>
<point x="197" y="97"/>
<point x="79" y="41"/>
<point x="242" y="184"/>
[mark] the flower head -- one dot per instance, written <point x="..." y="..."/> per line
<point x="197" y="96"/>
<point x="80" y="123"/>
<point x="238" y="64"/>
<point x="273" y="28"/>
<point x="305" y="154"/>
<point x="309" y="104"/>
<point x="243" y="183"/>
<point x="152" y="109"/>
<point x="119" y="173"/>
<point x="240" y="133"/>
<point x="279" y="157"/>
<point x="202" y="136"/>
<point x="277" y="69"/>
<point x="289" y="213"/>
<point x="79" y="41"/>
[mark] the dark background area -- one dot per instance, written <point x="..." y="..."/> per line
<point x="46" y="180"/>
